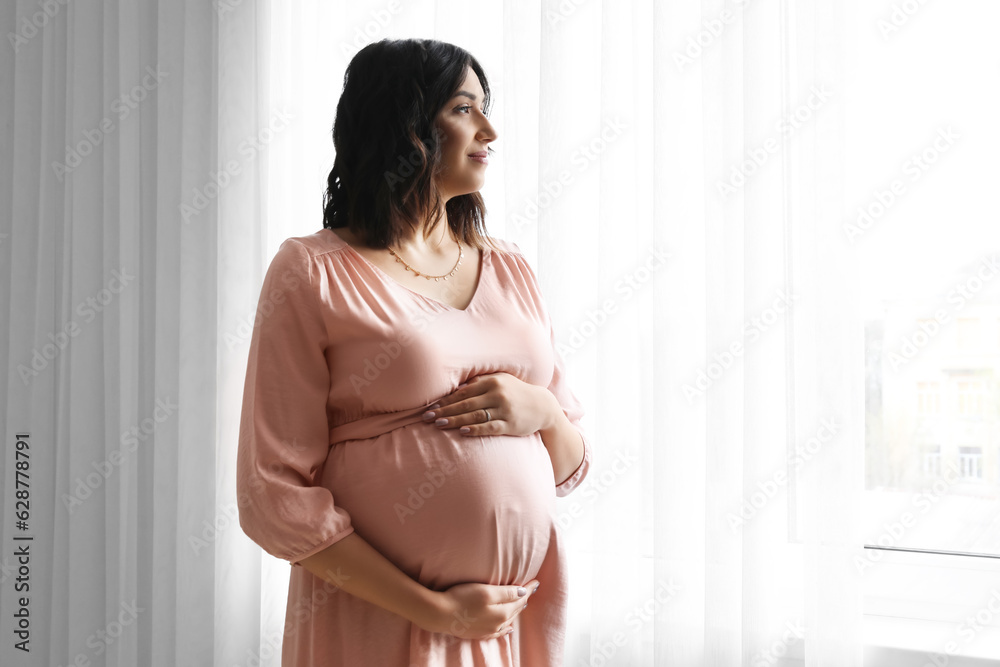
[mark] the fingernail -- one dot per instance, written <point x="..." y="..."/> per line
<point x="428" y="415"/>
<point x="536" y="589"/>
<point x="436" y="405"/>
<point x="462" y="385"/>
<point x="521" y="592"/>
<point x="464" y="429"/>
<point x="441" y="422"/>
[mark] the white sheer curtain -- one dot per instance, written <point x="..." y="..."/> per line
<point x="706" y="376"/>
<point x="109" y="122"/>
<point x="617" y="122"/>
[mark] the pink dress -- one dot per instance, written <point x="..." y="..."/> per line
<point x="343" y="362"/>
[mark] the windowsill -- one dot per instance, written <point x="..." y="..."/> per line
<point x="919" y="605"/>
<point x="893" y="657"/>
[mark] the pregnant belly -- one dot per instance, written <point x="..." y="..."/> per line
<point x="447" y="508"/>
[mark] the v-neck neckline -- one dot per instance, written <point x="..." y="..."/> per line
<point x="387" y="278"/>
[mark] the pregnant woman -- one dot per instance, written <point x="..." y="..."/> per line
<point x="407" y="424"/>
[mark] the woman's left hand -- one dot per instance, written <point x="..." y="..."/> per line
<point x="515" y="407"/>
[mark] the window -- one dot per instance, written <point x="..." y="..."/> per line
<point x="920" y="153"/>
<point x="970" y="462"/>
<point x="930" y="423"/>
<point x="971" y="395"/>
<point x="932" y="461"/>
<point x="928" y="398"/>
<point x="921" y="147"/>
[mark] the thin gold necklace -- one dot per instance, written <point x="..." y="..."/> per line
<point x="461" y="254"/>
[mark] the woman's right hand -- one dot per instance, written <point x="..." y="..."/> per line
<point x="476" y="611"/>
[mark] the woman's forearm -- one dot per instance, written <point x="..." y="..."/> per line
<point x="563" y="442"/>
<point x="359" y="569"/>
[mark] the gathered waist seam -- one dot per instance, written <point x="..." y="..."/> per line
<point x="376" y="425"/>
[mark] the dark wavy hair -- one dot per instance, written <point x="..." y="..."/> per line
<point x="387" y="147"/>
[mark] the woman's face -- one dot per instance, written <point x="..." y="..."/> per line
<point x="465" y="130"/>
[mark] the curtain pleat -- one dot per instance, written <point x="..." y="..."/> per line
<point x="244" y="54"/>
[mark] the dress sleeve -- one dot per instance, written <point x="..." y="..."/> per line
<point x="573" y="410"/>
<point x="560" y="388"/>
<point x="284" y="432"/>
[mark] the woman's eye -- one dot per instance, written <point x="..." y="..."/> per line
<point x="467" y="106"/>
